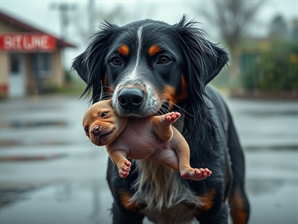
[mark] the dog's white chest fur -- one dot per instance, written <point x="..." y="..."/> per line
<point x="167" y="198"/>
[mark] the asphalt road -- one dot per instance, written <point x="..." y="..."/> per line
<point x="51" y="173"/>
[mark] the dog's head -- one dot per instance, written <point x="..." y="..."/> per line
<point x="101" y="123"/>
<point x="149" y="66"/>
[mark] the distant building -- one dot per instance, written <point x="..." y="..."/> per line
<point x="29" y="58"/>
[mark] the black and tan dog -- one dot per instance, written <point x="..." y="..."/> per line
<point x="152" y="138"/>
<point x="149" y="67"/>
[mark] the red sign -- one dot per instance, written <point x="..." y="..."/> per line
<point x="27" y="42"/>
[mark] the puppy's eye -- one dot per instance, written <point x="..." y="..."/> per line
<point x="116" y="61"/>
<point x="103" y="114"/>
<point x="163" y="60"/>
<point x="86" y="129"/>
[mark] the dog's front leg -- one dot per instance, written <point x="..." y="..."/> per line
<point x="125" y="217"/>
<point x="220" y="218"/>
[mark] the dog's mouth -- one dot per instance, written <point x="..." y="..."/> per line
<point x="165" y="108"/>
<point x="105" y="134"/>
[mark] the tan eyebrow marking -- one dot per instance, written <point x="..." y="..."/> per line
<point x="154" y="49"/>
<point x="124" y="50"/>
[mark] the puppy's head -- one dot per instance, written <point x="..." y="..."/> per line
<point x="149" y="66"/>
<point x="101" y="123"/>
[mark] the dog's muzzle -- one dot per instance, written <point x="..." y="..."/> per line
<point x="130" y="98"/>
<point x="137" y="99"/>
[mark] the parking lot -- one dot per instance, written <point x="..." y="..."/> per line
<point x="51" y="173"/>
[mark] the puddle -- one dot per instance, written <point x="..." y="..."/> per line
<point x="266" y="187"/>
<point x="76" y="203"/>
<point x="273" y="201"/>
<point x="8" y="196"/>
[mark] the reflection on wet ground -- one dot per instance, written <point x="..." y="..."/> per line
<point x="51" y="173"/>
<point x="272" y="201"/>
<point x="33" y="124"/>
<point x="60" y="203"/>
<point x="23" y="142"/>
<point x="271" y="113"/>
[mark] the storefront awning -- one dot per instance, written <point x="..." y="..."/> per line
<point x="30" y="30"/>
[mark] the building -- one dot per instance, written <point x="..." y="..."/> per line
<point x="30" y="59"/>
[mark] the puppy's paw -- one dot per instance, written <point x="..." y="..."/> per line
<point x="170" y="118"/>
<point x="124" y="168"/>
<point x="195" y="174"/>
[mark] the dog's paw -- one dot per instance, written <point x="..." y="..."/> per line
<point x="124" y="169"/>
<point x="195" y="174"/>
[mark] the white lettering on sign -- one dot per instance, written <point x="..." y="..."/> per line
<point x="33" y="42"/>
<point x="12" y="42"/>
<point x="27" y="42"/>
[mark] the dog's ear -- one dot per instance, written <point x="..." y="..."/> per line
<point x="203" y="61"/>
<point x="90" y="64"/>
<point x="204" y="57"/>
<point x="80" y="66"/>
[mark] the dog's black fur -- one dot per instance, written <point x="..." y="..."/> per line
<point x="173" y="76"/>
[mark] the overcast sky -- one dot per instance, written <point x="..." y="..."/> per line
<point x="39" y="13"/>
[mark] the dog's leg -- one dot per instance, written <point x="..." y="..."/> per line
<point x="221" y="217"/>
<point x="122" y="210"/>
<point x="237" y="198"/>
<point x="121" y="217"/>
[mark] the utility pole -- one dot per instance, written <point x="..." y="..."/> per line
<point x="64" y="21"/>
<point x="91" y="17"/>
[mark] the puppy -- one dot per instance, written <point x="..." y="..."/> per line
<point x="151" y="138"/>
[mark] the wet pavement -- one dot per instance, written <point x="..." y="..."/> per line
<point x="50" y="172"/>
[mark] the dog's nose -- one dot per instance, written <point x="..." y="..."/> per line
<point x="96" y="131"/>
<point x="130" y="98"/>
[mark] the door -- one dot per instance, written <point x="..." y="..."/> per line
<point x="17" y="80"/>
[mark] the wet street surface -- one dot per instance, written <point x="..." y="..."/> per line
<point x="50" y="173"/>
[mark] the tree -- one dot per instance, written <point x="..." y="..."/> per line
<point x="232" y="18"/>
<point x="278" y="28"/>
<point x="84" y="30"/>
<point x="276" y="69"/>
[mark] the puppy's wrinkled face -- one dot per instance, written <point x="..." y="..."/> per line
<point x="101" y="123"/>
<point x="144" y="70"/>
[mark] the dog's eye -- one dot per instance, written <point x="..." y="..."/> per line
<point x="163" y="60"/>
<point x="116" y="61"/>
<point x="103" y="114"/>
<point x="86" y="129"/>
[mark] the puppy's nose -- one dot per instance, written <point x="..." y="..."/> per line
<point x="130" y="98"/>
<point x="96" y="131"/>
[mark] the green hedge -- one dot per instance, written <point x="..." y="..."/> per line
<point x="276" y="69"/>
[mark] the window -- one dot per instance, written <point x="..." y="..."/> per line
<point x="41" y="64"/>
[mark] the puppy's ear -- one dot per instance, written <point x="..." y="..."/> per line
<point x="90" y="64"/>
<point x="205" y="59"/>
